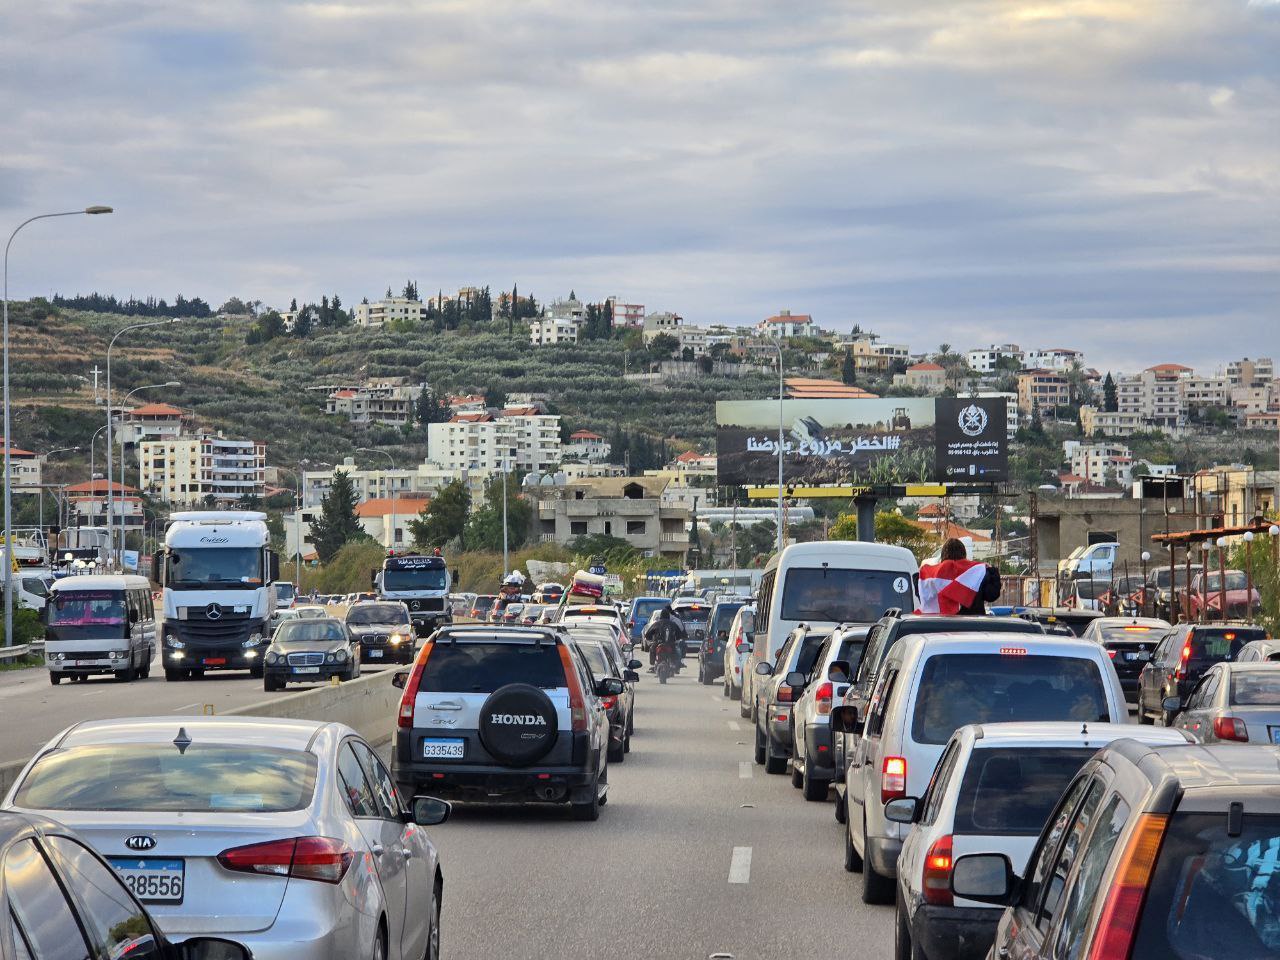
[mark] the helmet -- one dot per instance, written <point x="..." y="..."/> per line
<point x="664" y="613"/>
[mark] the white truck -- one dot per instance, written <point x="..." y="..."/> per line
<point x="216" y="571"/>
<point x="1094" y="561"/>
<point x="422" y="583"/>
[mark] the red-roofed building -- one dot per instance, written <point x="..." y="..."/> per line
<point x="786" y="324"/>
<point x="387" y="520"/>
<point x="151" y="421"/>
<point x="928" y="376"/>
<point x="805" y="388"/>
<point x="24" y="469"/>
<point x="587" y="446"/>
<point x="471" y="403"/>
<point x="88" y="503"/>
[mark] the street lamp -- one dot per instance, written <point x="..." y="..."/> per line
<point x="1248" y="574"/>
<point x="8" y="437"/>
<point x="1145" y="557"/>
<point x="391" y="537"/>
<point x="149" y="386"/>
<point x="110" y="499"/>
<point x="1222" y="578"/>
<point x="777" y="345"/>
<point x="40" y="490"/>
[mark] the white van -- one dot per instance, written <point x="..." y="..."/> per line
<point x="824" y="585"/>
<point x="31" y="587"/>
<point x="928" y="687"/>
<point x="99" y="624"/>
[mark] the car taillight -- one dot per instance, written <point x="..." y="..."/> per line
<point x="785" y="693"/>
<point x="577" y="704"/>
<point x="1182" y="661"/>
<point x="1111" y="654"/>
<point x="404" y="718"/>
<point x="609" y="702"/>
<point x="936" y="882"/>
<point x="823" y="696"/>
<point x="1118" y="923"/>
<point x="1230" y="728"/>
<point x="303" y="858"/>
<point x="893" y="779"/>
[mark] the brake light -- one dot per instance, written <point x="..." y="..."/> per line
<point x="823" y="696"/>
<point x="609" y="702"/>
<point x="1013" y="651"/>
<point x="1119" y="921"/>
<point x="303" y="858"/>
<point x="1111" y="654"/>
<point x="936" y="882"/>
<point x="893" y="779"/>
<point x="577" y="704"/>
<point x="404" y="719"/>
<point x="1182" y="662"/>
<point x="785" y="693"/>
<point x="1230" y="728"/>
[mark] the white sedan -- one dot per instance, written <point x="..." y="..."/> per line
<point x="285" y="835"/>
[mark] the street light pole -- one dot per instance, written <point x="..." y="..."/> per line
<point x="40" y="490"/>
<point x="8" y="436"/>
<point x="777" y="345"/>
<point x="111" y="543"/>
<point x="123" y="531"/>
<point x="391" y="537"/>
<point x="505" y="466"/>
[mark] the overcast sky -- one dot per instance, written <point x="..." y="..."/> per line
<point x="1097" y="174"/>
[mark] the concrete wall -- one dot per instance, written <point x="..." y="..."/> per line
<point x="1066" y="524"/>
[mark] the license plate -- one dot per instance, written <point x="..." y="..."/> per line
<point x="306" y="669"/>
<point x="443" y="749"/>
<point x="153" y="881"/>
<point x="1139" y="655"/>
<point x="215" y="661"/>
<point x="374" y="654"/>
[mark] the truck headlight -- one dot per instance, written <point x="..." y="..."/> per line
<point x="173" y="643"/>
<point x="253" y="641"/>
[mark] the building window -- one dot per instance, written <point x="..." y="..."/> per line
<point x="578" y="528"/>
<point x="635" y="528"/>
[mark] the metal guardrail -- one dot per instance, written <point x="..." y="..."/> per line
<point x="19" y="652"/>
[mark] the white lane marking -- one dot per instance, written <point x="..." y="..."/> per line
<point x="734" y="725"/>
<point x="740" y="865"/>
<point x="716" y="699"/>
<point x="744" y="770"/>
<point x="187" y="706"/>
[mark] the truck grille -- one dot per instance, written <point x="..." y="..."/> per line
<point x="306" y="659"/>
<point x="429" y="605"/>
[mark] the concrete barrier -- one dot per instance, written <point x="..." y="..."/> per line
<point x="367" y="705"/>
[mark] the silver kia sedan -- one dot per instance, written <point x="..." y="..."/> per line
<point x="285" y="835"/>
<point x="1233" y="703"/>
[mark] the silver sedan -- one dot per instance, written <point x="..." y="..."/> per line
<point x="1233" y="703"/>
<point x="285" y="835"/>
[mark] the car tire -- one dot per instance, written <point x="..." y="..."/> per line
<point x="433" y="932"/>
<point x="772" y="764"/>
<point x="814" y="790"/>
<point x="760" y="749"/>
<point x="128" y="673"/>
<point x="256" y="671"/>
<point x="876" y="887"/>
<point x="735" y="693"/>
<point x="379" y="945"/>
<point x="797" y="776"/>
<point x="618" y="754"/>
<point x="271" y="684"/>
<point x="852" y="862"/>
<point x="172" y="673"/>
<point x="903" y="946"/>
<point x="590" y="811"/>
<point x="842" y="808"/>
<point x="55" y="678"/>
<point x="1144" y="718"/>
<point x="626" y="744"/>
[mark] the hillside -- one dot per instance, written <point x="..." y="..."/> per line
<point x="261" y="390"/>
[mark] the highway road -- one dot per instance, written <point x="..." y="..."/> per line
<point x="698" y="853"/>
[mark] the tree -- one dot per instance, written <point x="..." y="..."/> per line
<point x="234" y="307"/>
<point x="663" y="346"/>
<point x="484" y="527"/>
<point x="890" y="528"/>
<point x="1110" y="403"/>
<point x="848" y="372"/>
<point x="429" y="409"/>
<point x="515" y="309"/>
<point x="270" y="326"/>
<point x="337" y="524"/>
<point x="444" y="518"/>
<point x="410" y="291"/>
<point x="302" y="323"/>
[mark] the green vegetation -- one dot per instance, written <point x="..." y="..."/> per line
<point x="337" y="524"/>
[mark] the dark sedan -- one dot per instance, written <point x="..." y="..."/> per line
<point x="383" y="630"/>
<point x="603" y="659"/>
<point x="309" y="651"/>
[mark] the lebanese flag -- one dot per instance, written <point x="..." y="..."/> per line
<point x="950" y="586"/>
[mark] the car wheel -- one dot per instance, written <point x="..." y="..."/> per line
<point x="797" y="776"/>
<point x="380" y="945"/>
<point x="590" y="810"/>
<point x="814" y="790"/>
<point x="852" y="862"/>
<point x="271" y="684"/>
<point x="619" y="753"/>
<point x="903" y="948"/>
<point x="172" y="673"/>
<point x="128" y="673"/>
<point x="876" y="887"/>
<point x="759" y="754"/>
<point x="735" y="693"/>
<point x="145" y="671"/>
<point x="433" y="935"/>
<point x="55" y="678"/>
<point x="626" y="744"/>
<point x="772" y="764"/>
<point x="256" y="671"/>
<point x="842" y="808"/>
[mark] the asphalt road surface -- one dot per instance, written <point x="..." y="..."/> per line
<point x="698" y="853"/>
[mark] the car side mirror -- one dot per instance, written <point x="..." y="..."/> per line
<point x="430" y="811"/>
<point x="902" y="810"/>
<point x="630" y="676"/>
<point x="839" y="671"/>
<point x="212" y="948"/>
<point x="609" y="687"/>
<point x="796" y="679"/>
<point x="764" y="668"/>
<point x="399" y="679"/>
<point x="985" y="877"/>
<point x="273" y="566"/>
<point x="1171" y="705"/>
<point x="634" y="664"/>
<point x="846" y="719"/>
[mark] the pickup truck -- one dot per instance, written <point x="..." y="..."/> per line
<point x="1092" y="562"/>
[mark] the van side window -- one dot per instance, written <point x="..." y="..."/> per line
<point x="1072" y="841"/>
<point x="880" y="702"/>
<point x="931" y="803"/>
<point x="871" y="653"/>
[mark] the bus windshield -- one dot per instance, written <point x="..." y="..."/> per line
<point x="86" y="608"/>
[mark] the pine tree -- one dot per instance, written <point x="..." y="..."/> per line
<point x="1110" y="403"/>
<point x="848" y="372"/>
<point x="515" y="309"/>
<point x="302" y="323"/>
<point x="444" y="518"/>
<point x="337" y="524"/>
<point x="293" y="305"/>
<point x="326" y="316"/>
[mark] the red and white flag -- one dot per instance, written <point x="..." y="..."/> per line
<point x="950" y="586"/>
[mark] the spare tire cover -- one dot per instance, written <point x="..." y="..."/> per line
<point x="518" y="724"/>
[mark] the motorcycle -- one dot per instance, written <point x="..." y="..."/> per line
<point x="667" y="662"/>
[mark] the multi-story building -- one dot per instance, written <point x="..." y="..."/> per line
<point x="627" y="314"/>
<point x="1156" y="395"/>
<point x="629" y="508"/>
<point x="188" y="471"/>
<point x="1100" y="464"/>
<point x="517" y="438"/>
<point x="1100" y="423"/>
<point x="384" y="311"/>
<point x="470" y="403"/>
<point x="569" y="309"/>
<point x="422" y="481"/>
<point x="1060" y="359"/>
<point x="554" y="329"/>
<point x="1042" y="390"/>
<point x="387" y="520"/>
<point x="928" y="376"/>
<point x="672" y="324"/>
<point x="1250" y="373"/>
<point x="986" y="359"/>
<point x="151" y="421"/>
<point x="386" y="400"/>
<point x="1205" y="391"/>
<point x="871" y="358"/>
<point x="786" y="324"/>
<point x="585" y="445"/>
<point x="88" y="503"/>
<point x="24" y="469"/>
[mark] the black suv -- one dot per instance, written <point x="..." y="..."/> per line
<point x="711" y="653"/>
<point x="504" y="715"/>
<point x="1185" y="653"/>
<point x="1064" y="621"/>
<point x="1152" y="852"/>
<point x="887" y="631"/>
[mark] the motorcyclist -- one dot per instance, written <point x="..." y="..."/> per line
<point x="664" y="629"/>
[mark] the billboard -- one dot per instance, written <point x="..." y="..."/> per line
<point x="838" y="442"/>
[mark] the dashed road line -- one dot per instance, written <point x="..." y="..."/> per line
<point x="734" y="725"/>
<point x="744" y="770"/>
<point x="740" y="865"/>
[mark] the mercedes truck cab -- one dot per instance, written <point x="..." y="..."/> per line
<point x="99" y="625"/>
<point x="422" y="583"/>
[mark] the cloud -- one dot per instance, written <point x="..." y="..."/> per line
<point x="1102" y="172"/>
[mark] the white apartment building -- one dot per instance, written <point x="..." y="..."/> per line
<point x="1100" y="464"/>
<point x="672" y="324"/>
<point x="544" y="331"/>
<point x="569" y="309"/>
<point x="151" y="421"/>
<point x="1100" y="423"/>
<point x="585" y="445"/>
<point x="388" y="521"/>
<point x="519" y="438"/>
<point x="786" y="324"/>
<point x="185" y="471"/>
<point x="1059" y="359"/>
<point x="424" y="480"/>
<point x="384" y="311"/>
<point x="387" y="400"/>
<point x="88" y="503"/>
<point x="1206" y="391"/>
<point x="984" y="359"/>
<point x="1156" y="395"/>
<point x="1250" y="373"/>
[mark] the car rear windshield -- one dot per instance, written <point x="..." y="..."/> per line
<point x="309" y="631"/>
<point x="1260" y="689"/>
<point x="697" y="614"/>
<point x="960" y="688"/>
<point x="1132" y="633"/>
<point x="484" y="667"/>
<point x="158" y="777"/>
<point x="1213" y="894"/>
<point x="1221" y="643"/>
<point x="843" y="595"/>
<point x="368" y="613"/>
<point x="725" y="613"/>
<point x="643" y="608"/>
<point x="1012" y="790"/>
